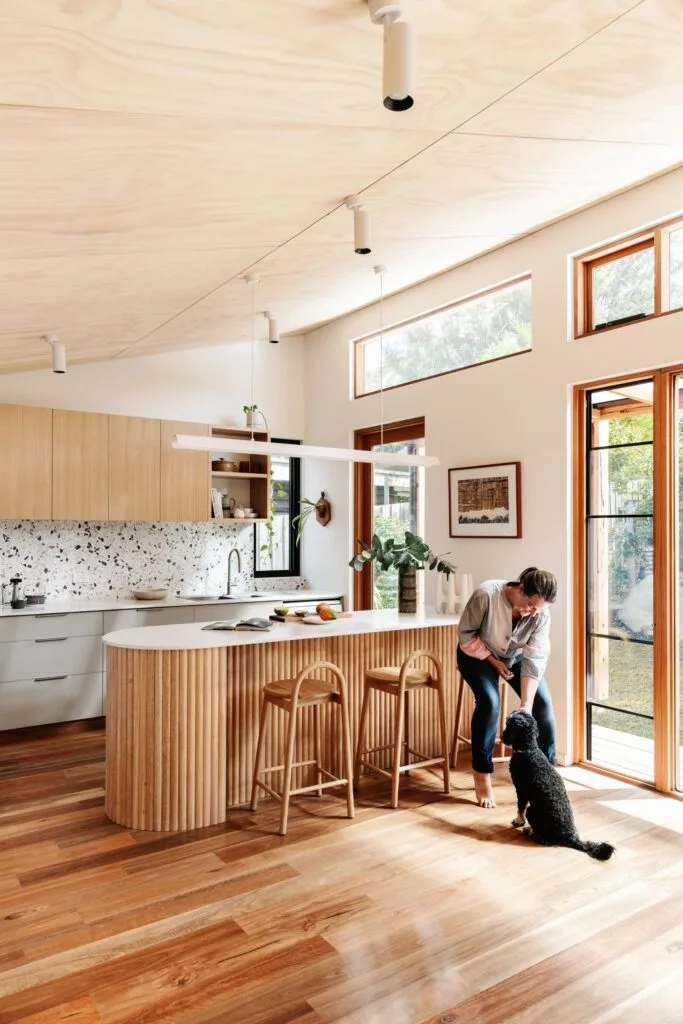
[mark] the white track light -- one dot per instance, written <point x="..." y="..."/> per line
<point x="58" y="353"/>
<point x="398" y="78"/>
<point x="399" y="66"/>
<point x="361" y="226"/>
<point x="273" y="333"/>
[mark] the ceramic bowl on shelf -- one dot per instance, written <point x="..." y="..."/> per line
<point x="151" y="594"/>
<point x="223" y="466"/>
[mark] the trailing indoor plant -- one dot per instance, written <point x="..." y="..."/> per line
<point x="407" y="557"/>
<point x="321" y="507"/>
<point x="252" y="413"/>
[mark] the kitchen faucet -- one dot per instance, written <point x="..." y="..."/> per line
<point x="233" y="551"/>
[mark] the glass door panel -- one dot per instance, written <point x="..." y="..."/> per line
<point x="678" y="455"/>
<point x="397" y="496"/>
<point x="620" y="560"/>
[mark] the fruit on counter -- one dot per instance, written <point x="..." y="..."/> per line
<point x="325" y="612"/>
<point x="281" y="609"/>
<point x="301" y="612"/>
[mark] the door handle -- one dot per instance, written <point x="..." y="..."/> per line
<point x="51" y="640"/>
<point x="47" y="679"/>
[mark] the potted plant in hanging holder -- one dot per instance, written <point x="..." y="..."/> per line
<point x="407" y="557"/>
<point x="322" y="509"/>
<point x="252" y="413"/>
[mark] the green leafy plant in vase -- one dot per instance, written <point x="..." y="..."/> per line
<point x="252" y="413"/>
<point x="407" y="558"/>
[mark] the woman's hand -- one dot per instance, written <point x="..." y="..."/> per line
<point x="502" y="670"/>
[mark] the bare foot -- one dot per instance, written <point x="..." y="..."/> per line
<point x="483" y="789"/>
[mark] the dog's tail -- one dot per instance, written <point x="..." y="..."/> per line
<point x="599" y="851"/>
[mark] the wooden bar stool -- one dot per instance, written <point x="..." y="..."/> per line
<point x="399" y="683"/>
<point x="458" y="738"/>
<point x="291" y="695"/>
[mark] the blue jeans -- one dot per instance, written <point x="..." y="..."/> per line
<point x="482" y="679"/>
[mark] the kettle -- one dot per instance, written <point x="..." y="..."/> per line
<point x="17" y="600"/>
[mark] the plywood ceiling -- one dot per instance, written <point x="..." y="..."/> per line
<point x="156" y="150"/>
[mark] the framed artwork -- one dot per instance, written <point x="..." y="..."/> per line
<point x="485" y="501"/>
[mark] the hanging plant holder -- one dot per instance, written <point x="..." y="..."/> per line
<point x="323" y="510"/>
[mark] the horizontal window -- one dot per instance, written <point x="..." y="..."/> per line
<point x="489" y="326"/>
<point x="637" y="280"/>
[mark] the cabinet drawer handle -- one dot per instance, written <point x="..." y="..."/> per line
<point x="51" y="640"/>
<point x="54" y="615"/>
<point x="47" y="679"/>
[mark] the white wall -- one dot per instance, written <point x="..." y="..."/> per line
<point x="517" y="409"/>
<point x="207" y="385"/>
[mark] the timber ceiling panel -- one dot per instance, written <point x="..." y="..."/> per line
<point x="155" y="150"/>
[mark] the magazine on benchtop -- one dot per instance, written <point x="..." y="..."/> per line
<point x="258" y="625"/>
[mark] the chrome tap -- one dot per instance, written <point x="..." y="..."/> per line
<point x="233" y="551"/>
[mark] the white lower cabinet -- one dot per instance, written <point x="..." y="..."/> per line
<point x="50" y="698"/>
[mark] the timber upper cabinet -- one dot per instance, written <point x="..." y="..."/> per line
<point x="80" y="465"/>
<point x="185" y="495"/>
<point x="134" y="468"/>
<point x="25" y="462"/>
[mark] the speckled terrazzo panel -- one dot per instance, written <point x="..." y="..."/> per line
<point x="89" y="559"/>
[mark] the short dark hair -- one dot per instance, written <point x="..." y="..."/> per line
<point x="538" y="583"/>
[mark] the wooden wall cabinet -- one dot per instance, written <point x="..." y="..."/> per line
<point x="25" y="462"/>
<point x="80" y="465"/>
<point x="185" y="491"/>
<point x="134" y="468"/>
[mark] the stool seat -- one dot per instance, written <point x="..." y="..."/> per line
<point x="391" y="674"/>
<point x="398" y="682"/>
<point x="311" y="691"/>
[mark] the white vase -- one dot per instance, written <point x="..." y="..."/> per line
<point x="451" y="597"/>
<point x="441" y="601"/>
<point x="464" y="589"/>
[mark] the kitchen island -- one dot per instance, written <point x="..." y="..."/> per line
<point x="183" y="706"/>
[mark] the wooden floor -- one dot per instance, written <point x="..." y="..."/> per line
<point x="435" y="912"/>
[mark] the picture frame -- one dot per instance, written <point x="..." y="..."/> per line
<point x="485" y="501"/>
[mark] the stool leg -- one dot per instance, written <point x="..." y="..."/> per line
<point x="318" y="745"/>
<point x="398" y="744"/>
<point x="458" y="720"/>
<point x="444" y="734"/>
<point x="289" y="759"/>
<point x="360" y="746"/>
<point x="260" y="743"/>
<point x="406" y="729"/>
<point x="347" y="755"/>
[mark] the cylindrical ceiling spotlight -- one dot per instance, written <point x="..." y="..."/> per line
<point x="273" y="333"/>
<point x="398" y="76"/>
<point x="58" y="353"/>
<point x="361" y="226"/>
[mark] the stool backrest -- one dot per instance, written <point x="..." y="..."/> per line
<point x="313" y="667"/>
<point x="409" y="663"/>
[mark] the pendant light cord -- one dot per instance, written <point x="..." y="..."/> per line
<point x="253" y="331"/>
<point x="381" y="357"/>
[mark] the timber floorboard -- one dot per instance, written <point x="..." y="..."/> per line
<point x="437" y="912"/>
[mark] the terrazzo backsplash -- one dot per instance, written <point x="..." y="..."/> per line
<point x="100" y="560"/>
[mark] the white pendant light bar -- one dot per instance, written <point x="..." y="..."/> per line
<point x="237" y="446"/>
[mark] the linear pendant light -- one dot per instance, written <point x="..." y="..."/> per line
<point x="249" y="446"/>
<point x="191" y="442"/>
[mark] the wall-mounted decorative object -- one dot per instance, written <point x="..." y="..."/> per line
<point x="485" y="501"/>
<point x="323" y="510"/>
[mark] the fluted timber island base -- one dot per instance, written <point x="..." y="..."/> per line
<point x="183" y="707"/>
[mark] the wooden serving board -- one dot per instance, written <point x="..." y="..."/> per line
<point x="297" y="618"/>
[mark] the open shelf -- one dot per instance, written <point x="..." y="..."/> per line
<point x="239" y="476"/>
<point x="249" y="487"/>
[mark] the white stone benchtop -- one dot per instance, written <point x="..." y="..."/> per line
<point x="66" y="606"/>
<point x="191" y="636"/>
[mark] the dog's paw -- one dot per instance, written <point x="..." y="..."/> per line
<point x="518" y="821"/>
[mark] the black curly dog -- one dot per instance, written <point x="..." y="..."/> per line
<point x="541" y="795"/>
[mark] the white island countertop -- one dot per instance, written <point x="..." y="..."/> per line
<point x="191" y="636"/>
